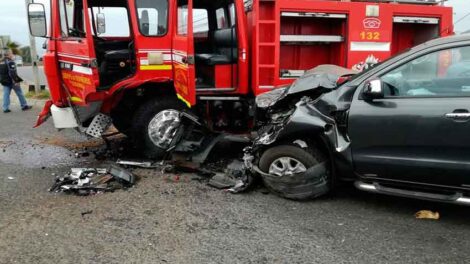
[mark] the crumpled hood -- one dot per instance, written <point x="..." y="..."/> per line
<point x="321" y="77"/>
<point x="319" y="80"/>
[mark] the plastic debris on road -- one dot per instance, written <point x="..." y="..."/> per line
<point x="140" y="164"/>
<point x="89" y="181"/>
<point x="425" y="214"/>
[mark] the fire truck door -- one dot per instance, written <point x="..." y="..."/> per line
<point x="75" y="51"/>
<point x="183" y="54"/>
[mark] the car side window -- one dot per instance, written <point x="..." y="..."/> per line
<point x="445" y="73"/>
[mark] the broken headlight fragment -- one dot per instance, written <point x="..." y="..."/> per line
<point x="268" y="99"/>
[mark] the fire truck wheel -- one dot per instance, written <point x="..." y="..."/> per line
<point x="122" y="122"/>
<point x="156" y="125"/>
<point x="295" y="173"/>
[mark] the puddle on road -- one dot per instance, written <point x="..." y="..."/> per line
<point x="32" y="155"/>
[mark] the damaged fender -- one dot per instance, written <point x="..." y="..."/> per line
<point x="306" y="122"/>
<point x="45" y="114"/>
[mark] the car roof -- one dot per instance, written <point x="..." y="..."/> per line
<point x="455" y="39"/>
<point x="444" y="40"/>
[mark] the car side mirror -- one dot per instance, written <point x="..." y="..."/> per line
<point x="37" y="20"/>
<point x="100" y="23"/>
<point x="374" y="89"/>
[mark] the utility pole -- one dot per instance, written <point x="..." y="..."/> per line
<point x="34" y="57"/>
<point x="1" y="48"/>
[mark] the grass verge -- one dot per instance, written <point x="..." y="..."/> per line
<point x="44" y="94"/>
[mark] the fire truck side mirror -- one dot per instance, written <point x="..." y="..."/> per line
<point x="100" y="23"/>
<point x="37" y="20"/>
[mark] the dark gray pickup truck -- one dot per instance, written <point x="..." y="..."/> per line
<point x="400" y="128"/>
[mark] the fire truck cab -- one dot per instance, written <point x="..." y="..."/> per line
<point x="144" y="65"/>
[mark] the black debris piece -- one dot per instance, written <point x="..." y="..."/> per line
<point x="237" y="178"/>
<point x="222" y="181"/>
<point x="123" y="176"/>
<point x="87" y="212"/>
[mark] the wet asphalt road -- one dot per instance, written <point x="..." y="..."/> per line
<point x="162" y="220"/>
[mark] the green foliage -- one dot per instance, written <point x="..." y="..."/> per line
<point x="26" y="53"/>
<point x="14" y="46"/>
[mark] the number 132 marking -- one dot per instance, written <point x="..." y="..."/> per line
<point x="370" y="35"/>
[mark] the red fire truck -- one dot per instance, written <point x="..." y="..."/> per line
<point x="141" y="64"/>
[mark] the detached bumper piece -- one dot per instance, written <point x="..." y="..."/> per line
<point x="44" y="115"/>
<point x="63" y="117"/>
<point x="90" y="181"/>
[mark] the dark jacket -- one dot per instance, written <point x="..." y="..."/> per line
<point x="8" y="74"/>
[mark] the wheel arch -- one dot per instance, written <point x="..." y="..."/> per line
<point x="125" y="101"/>
<point x="314" y="137"/>
<point x="139" y="94"/>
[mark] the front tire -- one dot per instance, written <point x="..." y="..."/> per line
<point x="155" y="126"/>
<point x="286" y="166"/>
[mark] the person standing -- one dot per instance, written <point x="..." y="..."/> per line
<point x="11" y="81"/>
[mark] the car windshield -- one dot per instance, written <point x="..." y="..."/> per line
<point x="377" y="65"/>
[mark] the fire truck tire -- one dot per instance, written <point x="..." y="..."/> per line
<point x="295" y="173"/>
<point x="122" y="123"/>
<point x="154" y="125"/>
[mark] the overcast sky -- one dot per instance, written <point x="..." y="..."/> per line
<point x="13" y="20"/>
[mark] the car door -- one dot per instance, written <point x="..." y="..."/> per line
<point x="75" y="51"/>
<point x="183" y="54"/>
<point x="420" y="131"/>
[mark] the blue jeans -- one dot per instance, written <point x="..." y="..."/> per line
<point x="6" y="96"/>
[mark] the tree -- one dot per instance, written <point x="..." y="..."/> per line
<point x="26" y="53"/>
<point x="14" y="47"/>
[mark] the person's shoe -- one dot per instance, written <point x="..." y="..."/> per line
<point x="6" y="111"/>
<point x="26" y="108"/>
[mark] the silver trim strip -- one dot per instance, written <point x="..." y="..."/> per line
<point x="416" y="20"/>
<point x="219" y="98"/>
<point x="312" y="14"/>
<point x="311" y="38"/>
<point x="215" y="89"/>
<point x="74" y="56"/>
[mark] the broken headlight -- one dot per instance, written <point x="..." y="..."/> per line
<point x="270" y="98"/>
<point x="281" y="117"/>
<point x="269" y="133"/>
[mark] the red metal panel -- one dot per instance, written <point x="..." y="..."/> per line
<point x="259" y="43"/>
<point x="183" y="69"/>
<point x="366" y="39"/>
<point x="76" y="60"/>
<point x="225" y="76"/>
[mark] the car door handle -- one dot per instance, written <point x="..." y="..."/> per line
<point x="459" y="115"/>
